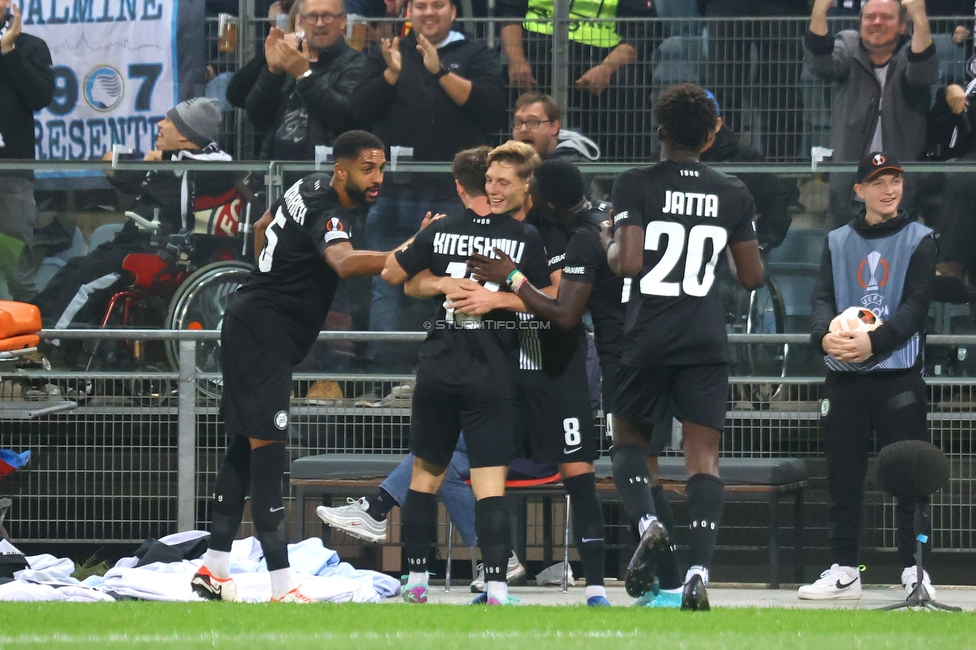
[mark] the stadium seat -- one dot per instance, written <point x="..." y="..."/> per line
<point x="102" y="234"/>
<point x="47" y="270"/>
<point x="77" y="248"/>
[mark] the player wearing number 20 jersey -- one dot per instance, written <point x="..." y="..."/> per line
<point x="673" y="221"/>
<point x="689" y="213"/>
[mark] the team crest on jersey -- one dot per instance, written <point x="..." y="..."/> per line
<point x="335" y="230"/>
<point x="281" y="420"/>
<point x="824" y="407"/>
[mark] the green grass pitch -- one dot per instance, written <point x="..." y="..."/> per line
<point x="436" y="627"/>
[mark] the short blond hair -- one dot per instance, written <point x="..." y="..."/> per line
<point x="519" y="155"/>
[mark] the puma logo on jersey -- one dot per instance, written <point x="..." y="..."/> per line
<point x="692" y="204"/>
<point x="573" y="270"/>
<point x="446" y="243"/>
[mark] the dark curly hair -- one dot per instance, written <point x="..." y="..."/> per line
<point x="687" y="115"/>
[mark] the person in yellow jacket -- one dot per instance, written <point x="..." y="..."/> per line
<point x="607" y="66"/>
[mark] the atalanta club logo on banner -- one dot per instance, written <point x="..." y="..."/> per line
<point x="104" y="88"/>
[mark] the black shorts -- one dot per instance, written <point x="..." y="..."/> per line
<point x="696" y="393"/>
<point x="257" y="383"/>
<point x="553" y="416"/>
<point x="438" y="417"/>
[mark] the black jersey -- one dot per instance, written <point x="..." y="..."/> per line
<point x="689" y="214"/>
<point x="540" y="344"/>
<point x="293" y="278"/>
<point x="472" y="354"/>
<point x="586" y="262"/>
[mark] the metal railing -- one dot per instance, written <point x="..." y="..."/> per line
<point x="138" y="456"/>
<point x="754" y="66"/>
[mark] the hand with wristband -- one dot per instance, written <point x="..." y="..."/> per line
<point x="498" y="270"/>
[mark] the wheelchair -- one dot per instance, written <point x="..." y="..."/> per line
<point x="183" y="285"/>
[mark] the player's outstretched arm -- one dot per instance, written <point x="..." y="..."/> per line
<point x="565" y="309"/>
<point x="427" y="285"/>
<point x="259" y="229"/>
<point x="624" y="247"/>
<point x="748" y="264"/>
<point x="348" y="262"/>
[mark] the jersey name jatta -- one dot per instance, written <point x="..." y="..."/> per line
<point x="692" y="204"/>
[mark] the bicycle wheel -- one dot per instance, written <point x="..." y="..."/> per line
<point x="766" y="314"/>
<point x="199" y="304"/>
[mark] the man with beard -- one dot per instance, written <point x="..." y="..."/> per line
<point x="270" y="324"/>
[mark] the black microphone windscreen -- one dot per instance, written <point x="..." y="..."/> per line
<point x="913" y="469"/>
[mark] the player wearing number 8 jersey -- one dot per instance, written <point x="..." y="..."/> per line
<point x="672" y="222"/>
<point x="269" y="325"/>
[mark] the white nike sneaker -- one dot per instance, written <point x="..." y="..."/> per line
<point x="836" y="583"/>
<point x="514" y="572"/>
<point x="908" y="580"/>
<point x="354" y="520"/>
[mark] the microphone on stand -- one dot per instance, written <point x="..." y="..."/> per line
<point x="915" y="470"/>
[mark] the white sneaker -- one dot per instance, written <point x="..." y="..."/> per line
<point x="836" y="583"/>
<point x="354" y="520"/>
<point x="513" y="573"/>
<point x="908" y="580"/>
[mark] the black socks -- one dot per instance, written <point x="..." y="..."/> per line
<point x="494" y="536"/>
<point x="705" y="495"/>
<point x="668" y="575"/>
<point x="419" y="528"/>
<point x="380" y="505"/>
<point x="632" y="480"/>
<point x="587" y="526"/>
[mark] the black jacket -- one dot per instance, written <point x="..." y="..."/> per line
<point x="771" y="193"/>
<point x="26" y="86"/>
<point x="909" y="316"/>
<point x="418" y="113"/>
<point x="326" y="95"/>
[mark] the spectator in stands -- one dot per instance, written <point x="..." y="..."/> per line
<point x="78" y="294"/>
<point x="247" y="75"/>
<point x="880" y="67"/>
<point x="538" y="123"/>
<point x="778" y="65"/>
<point x="302" y="96"/>
<point x="437" y="91"/>
<point x="952" y="135"/>
<point x="608" y="92"/>
<point x="26" y="86"/>
<point x="771" y="193"/>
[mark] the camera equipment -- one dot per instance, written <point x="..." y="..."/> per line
<point x="913" y="469"/>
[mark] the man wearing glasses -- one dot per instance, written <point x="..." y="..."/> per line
<point x="301" y="98"/>
<point x="537" y="122"/>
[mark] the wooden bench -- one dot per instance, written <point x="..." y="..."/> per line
<point x="746" y="479"/>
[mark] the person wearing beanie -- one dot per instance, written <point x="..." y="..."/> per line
<point x="79" y="293"/>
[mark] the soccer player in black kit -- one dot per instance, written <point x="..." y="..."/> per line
<point x="270" y="324"/>
<point x="465" y="381"/>
<point x="562" y="426"/>
<point x="671" y="223"/>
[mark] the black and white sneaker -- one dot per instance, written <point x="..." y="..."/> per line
<point x="694" y="596"/>
<point x="210" y="587"/>
<point x="836" y="583"/>
<point x="514" y="574"/>
<point x="909" y="580"/>
<point x="642" y="568"/>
